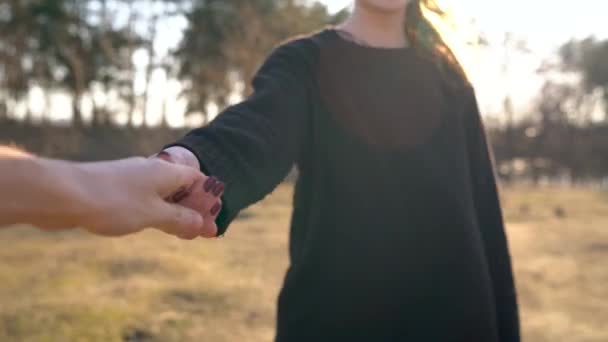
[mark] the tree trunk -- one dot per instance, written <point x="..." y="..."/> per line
<point x="132" y="97"/>
<point x="150" y="66"/>
<point x="509" y="149"/>
<point x="163" y="118"/>
<point x="48" y="113"/>
<point x="76" y="112"/>
<point x="3" y="109"/>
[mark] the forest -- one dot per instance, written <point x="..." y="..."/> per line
<point x="92" y="79"/>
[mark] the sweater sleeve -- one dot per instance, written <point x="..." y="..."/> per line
<point x="491" y="224"/>
<point x="253" y="145"/>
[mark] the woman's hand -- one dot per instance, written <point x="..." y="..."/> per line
<point x="204" y="196"/>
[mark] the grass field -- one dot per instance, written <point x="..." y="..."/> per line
<point x="149" y="287"/>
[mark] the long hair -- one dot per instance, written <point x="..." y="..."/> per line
<point x="425" y="38"/>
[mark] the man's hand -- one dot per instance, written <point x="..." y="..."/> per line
<point x="203" y="196"/>
<point x="109" y="198"/>
<point x="128" y="195"/>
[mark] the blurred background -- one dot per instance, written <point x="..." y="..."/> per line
<point x="104" y="79"/>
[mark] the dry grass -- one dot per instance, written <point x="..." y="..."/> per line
<point x="559" y="242"/>
<point x="74" y="287"/>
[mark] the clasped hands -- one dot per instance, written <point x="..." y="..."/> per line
<point x="166" y="191"/>
<point x="202" y="196"/>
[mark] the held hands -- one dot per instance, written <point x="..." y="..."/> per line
<point x="166" y="191"/>
<point x="110" y="198"/>
<point x="129" y="195"/>
<point x="203" y="196"/>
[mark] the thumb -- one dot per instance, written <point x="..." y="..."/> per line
<point x="170" y="178"/>
<point x="176" y="220"/>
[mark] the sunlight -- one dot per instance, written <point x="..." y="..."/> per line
<point x="456" y="29"/>
<point x="493" y="19"/>
<point x="459" y="34"/>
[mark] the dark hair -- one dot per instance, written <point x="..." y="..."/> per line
<point x="426" y="39"/>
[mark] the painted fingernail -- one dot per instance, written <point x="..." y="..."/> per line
<point x="218" y="188"/>
<point x="171" y="198"/>
<point x="216" y="209"/>
<point x="180" y="195"/>
<point x="209" y="183"/>
<point x="164" y="156"/>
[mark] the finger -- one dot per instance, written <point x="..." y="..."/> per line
<point x="214" y="187"/>
<point x="210" y="227"/>
<point x="176" y="220"/>
<point x="202" y="196"/>
<point x="164" y="156"/>
<point x="172" y="178"/>
<point x="209" y="230"/>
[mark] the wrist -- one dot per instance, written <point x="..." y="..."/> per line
<point x="77" y="189"/>
<point x="88" y="189"/>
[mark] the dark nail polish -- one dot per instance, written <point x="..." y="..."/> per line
<point x="216" y="209"/>
<point x="176" y="195"/>
<point x="209" y="184"/>
<point x="218" y="188"/>
<point x="164" y="156"/>
<point x="180" y="195"/>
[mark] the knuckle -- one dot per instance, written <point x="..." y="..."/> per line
<point x="140" y="160"/>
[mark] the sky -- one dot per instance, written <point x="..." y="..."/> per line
<point x="543" y="24"/>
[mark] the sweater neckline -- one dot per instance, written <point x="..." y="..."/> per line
<point x="379" y="49"/>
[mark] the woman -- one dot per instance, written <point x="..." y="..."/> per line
<point x="397" y="232"/>
<point x="107" y="198"/>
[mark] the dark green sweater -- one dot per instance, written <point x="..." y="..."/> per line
<point x="397" y="232"/>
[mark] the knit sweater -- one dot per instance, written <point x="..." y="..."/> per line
<point x="397" y="232"/>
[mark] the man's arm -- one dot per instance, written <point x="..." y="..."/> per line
<point x="36" y="191"/>
<point x="107" y="198"/>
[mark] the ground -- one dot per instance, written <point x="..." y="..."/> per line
<point x="149" y="287"/>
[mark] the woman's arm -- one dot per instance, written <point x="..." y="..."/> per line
<point x="491" y="224"/>
<point x="253" y="145"/>
<point x="107" y="198"/>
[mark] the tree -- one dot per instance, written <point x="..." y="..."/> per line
<point x="16" y="64"/>
<point x="226" y="40"/>
<point x="52" y="44"/>
<point x="564" y="133"/>
<point x="588" y="57"/>
<point x="510" y="44"/>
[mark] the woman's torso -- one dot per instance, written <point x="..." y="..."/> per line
<point x="384" y="236"/>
